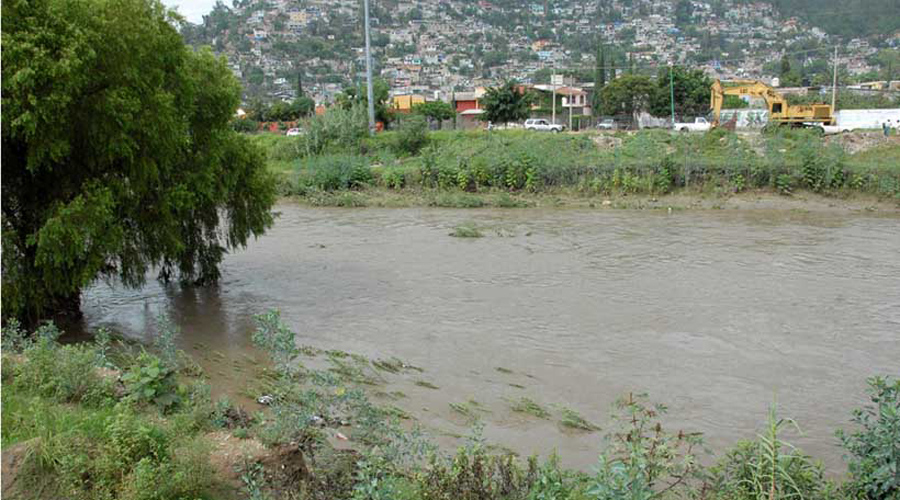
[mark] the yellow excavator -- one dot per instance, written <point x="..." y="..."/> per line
<point x="780" y="112"/>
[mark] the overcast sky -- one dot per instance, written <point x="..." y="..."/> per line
<point x="193" y="10"/>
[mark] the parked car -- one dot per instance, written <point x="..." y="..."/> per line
<point x="607" y="124"/>
<point x="292" y="132"/>
<point x="543" y="125"/>
<point x="827" y="129"/>
<point x="699" y="125"/>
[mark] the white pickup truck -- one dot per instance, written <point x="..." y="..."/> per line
<point x="699" y="125"/>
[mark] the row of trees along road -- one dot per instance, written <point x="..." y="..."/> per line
<point x="623" y="96"/>
<point x="117" y="154"/>
<point x="280" y="111"/>
<point x="630" y="94"/>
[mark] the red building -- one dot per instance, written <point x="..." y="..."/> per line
<point x="465" y="101"/>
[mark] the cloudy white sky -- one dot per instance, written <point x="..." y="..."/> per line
<point x="193" y="10"/>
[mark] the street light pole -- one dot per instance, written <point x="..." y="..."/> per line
<point x="553" y="85"/>
<point x="834" y="84"/>
<point x="370" y="93"/>
<point x="672" y="92"/>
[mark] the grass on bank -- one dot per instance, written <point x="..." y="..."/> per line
<point x="470" y="169"/>
<point x="87" y="431"/>
<point x="142" y="435"/>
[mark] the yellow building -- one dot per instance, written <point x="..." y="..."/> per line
<point x="405" y="103"/>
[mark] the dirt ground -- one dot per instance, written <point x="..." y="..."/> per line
<point x="856" y="142"/>
<point x="13" y="458"/>
<point x="852" y="142"/>
<point x="230" y="454"/>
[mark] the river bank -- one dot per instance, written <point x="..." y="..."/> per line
<point x="109" y="421"/>
<point x="683" y="199"/>
<point x="637" y="170"/>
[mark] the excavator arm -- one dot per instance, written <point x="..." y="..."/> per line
<point x="754" y="88"/>
<point x="780" y="112"/>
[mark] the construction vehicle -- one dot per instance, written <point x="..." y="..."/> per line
<point x="780" y="112"/>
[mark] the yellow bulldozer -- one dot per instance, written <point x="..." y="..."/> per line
<point x="780" y="112"/>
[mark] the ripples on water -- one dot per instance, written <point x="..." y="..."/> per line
<point x="717" y="314"/>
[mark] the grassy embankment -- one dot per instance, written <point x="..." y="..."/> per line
<point x="519" y="168"/>
<point x="116" y="421"/>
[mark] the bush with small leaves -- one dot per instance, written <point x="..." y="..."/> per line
<point x="875" y="444"/>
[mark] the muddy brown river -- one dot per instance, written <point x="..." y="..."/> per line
<point x="718" y="314"/>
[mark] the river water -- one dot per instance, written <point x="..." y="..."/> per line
<point x="718" y="314"/>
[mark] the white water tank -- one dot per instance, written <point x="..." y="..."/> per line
<point x="776" y="82"/>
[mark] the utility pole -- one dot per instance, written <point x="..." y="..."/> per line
<point x="370" y="93"/>
<point x="553" y="86"/>
<point x="672" y="92"/>
<point x="569" y="100"/>
<point x="834" y="85"/>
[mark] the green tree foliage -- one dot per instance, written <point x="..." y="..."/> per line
<point x="358" y="96"/>
<point x="283" y="111"/>
<point x="684" y="12"/>
<point x="788" y="76"/>
<point x="118" y="154"/>
<point x="627" y="95"/>
<point x="692" y="88"/>
<point x="889" y="61"/>
<point x="734" y="102"/>
<point x="506" y="103"/>
<point x="437" y="111"/>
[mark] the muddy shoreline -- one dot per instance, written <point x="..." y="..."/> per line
<point x="684" y="199"/>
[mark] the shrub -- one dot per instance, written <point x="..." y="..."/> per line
<point x="338" y="130"/>
<point x="376" y="480"/>
<point x="412" y="135"/>
<point x="550" y="482"/>
<point x="244" y="125"/>
<point x="286" y="148"/>
<point x="875" y="446"/>
<point x="63" y="373"/>
<point x="336" y="172"/>
<point x="475" y="475"/>
<point x="14" y="338"/>
<point x="277" y="339"/>
<point x="149" y="380"/>
<point x="641" y="459"/>
<point x="131" y="439"/>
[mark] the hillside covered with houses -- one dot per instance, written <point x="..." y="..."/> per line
<point x="444" y="49"/>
